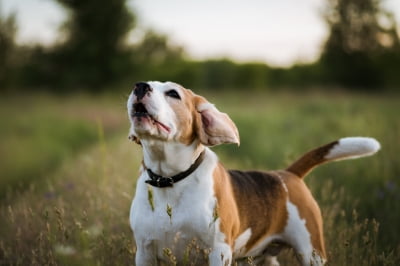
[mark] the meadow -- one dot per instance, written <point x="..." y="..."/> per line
<point x="68" y="172"/>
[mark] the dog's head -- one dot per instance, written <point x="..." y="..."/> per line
<point x="169" y="112"/>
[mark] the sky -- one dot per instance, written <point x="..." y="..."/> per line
<point x="279" y="33"/>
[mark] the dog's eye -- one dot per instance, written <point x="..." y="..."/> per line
<point x="173" y="94"/>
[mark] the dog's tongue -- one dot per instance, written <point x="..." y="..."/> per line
<point x="164" y="127"/>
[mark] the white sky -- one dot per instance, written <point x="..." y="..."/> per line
<point x="278" y="32"/>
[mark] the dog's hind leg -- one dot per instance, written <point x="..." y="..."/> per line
<point x="305" y="235"/>
<point x="310" y="258"/>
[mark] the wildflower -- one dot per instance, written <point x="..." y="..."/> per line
<point x="64" y="250"/>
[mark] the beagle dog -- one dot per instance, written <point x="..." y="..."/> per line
<point x="189" y="209"/>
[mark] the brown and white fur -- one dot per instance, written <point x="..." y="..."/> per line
<point x="230" y="214"/>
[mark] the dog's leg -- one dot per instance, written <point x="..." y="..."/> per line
<point x="144" y="255"/>
<point x="309" y="258"/>
<point x="306" y="241"/>
<point x="221" y="255"/>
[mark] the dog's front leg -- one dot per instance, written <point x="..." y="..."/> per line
<point x="145" y="255"/>
<point x="221" y="255"/>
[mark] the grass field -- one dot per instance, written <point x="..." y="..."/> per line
<point x="68" y="173"/>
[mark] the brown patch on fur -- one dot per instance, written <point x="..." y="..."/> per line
<point x="226" y="208"/>
<point x="198" y="127"/>
<point x="300" y="195"/>
<point x="185" y="112"/>
<point x="261" y="201"/>
<point x="311" y="159"/>
<point x="255" y="200"/>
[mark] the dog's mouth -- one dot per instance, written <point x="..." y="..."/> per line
<point x="140" y="112"/>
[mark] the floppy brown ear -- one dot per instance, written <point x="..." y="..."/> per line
<point x="213" y="126"/>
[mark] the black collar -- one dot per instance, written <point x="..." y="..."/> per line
<point x="161" y="181"/>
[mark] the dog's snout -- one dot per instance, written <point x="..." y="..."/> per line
<point x="141" y="89"/>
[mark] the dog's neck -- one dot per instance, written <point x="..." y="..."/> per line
<point x="169" y="158"/>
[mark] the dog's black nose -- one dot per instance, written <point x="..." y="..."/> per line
<point x="141" y="89"/>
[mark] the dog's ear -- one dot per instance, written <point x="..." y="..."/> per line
<point x="212" y="126"/>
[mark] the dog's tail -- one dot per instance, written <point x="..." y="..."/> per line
<point x="345" y="148"/>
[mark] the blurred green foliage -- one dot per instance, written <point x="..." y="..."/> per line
<point x="361" y="52"/>
<point x="40" y="132"/>
<point x="36" y="144"/>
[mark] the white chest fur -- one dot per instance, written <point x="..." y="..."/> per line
<point x="171" y="218"/>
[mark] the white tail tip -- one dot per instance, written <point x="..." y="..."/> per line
<point x="353" y="147"/>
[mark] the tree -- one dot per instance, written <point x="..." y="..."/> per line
<point x="154" y="49"/>
<point x="94" y="53"/>
<point x="360" y="26"/>
<point x="8" y="30"/>
<point x="361" y="34"/>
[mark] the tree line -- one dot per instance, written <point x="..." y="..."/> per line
<point x="362" y="52"/>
